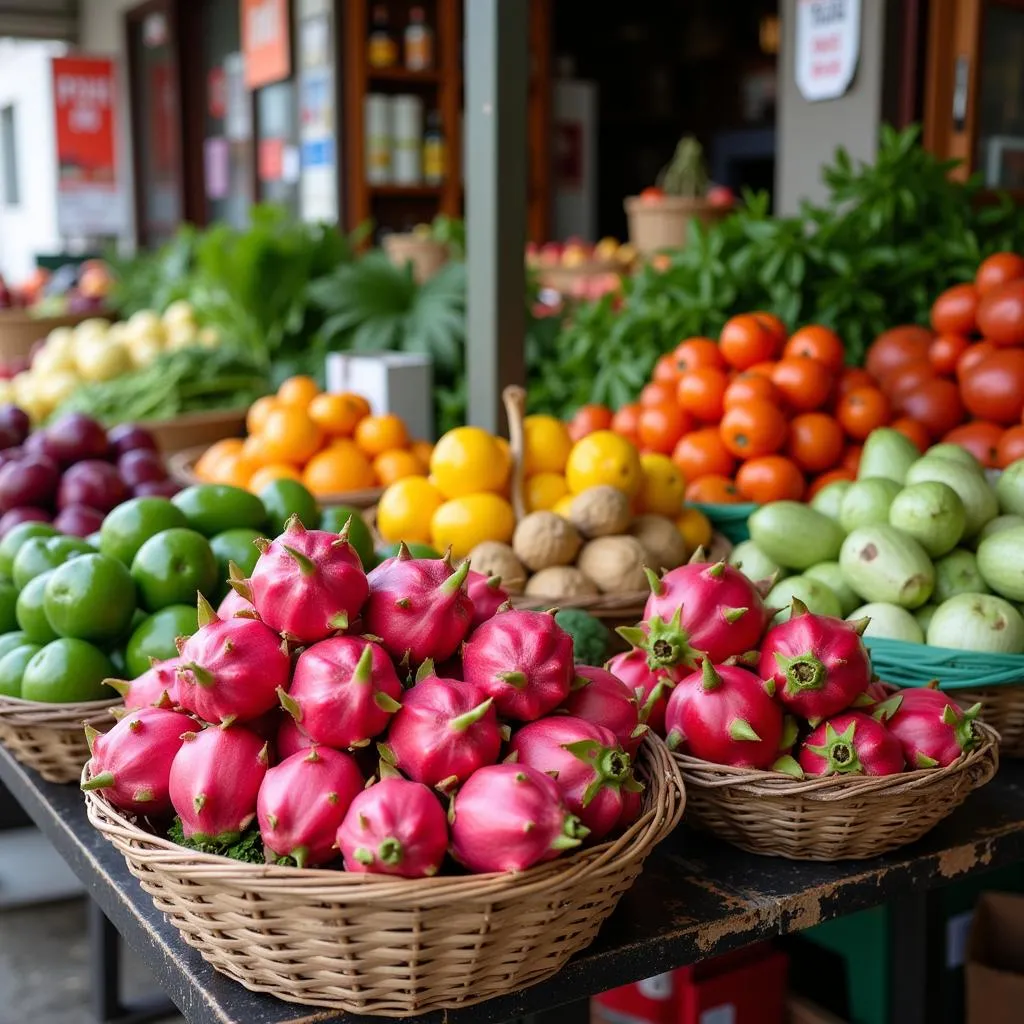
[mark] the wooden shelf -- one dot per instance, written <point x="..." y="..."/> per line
<point x="400" y="74"/>
<point x="408" y="191"/>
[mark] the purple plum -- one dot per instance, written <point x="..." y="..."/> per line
<point x="156" y="489"/>
<point x="78" y="520"/>
<point x="76" y="438"/>
<point x="22" y="514"/>
<point x="128" y="437"/>
<point x="141" y="465"/>
<point x="28" y="481"/>
<point x="94" y="483"/>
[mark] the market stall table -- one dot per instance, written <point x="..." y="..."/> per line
<point x="696" y="898"/>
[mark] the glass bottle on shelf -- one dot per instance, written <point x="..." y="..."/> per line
<point x="434" y="150"/>
<point x="419" y="41"/>
<point x="382" y="50"/>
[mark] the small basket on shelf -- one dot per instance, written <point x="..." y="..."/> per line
<point x="50" y="738"/>
<point x="378" y="944"/>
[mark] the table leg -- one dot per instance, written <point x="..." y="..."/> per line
<point x="105" y="961"/>
<point x="916" y="958"/>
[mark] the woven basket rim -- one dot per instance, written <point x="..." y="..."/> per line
<point x="667" y="801"/>
<point x="756" y="782"/>
<point x="17" y="711"/>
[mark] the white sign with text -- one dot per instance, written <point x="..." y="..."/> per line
<point x="827" y="47"/>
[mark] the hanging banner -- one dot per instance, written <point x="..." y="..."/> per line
<point x="89" y="201"/>
<point x="266" y="42"/>
<point x="827" y="47"/>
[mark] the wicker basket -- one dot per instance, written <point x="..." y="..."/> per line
<point x="833" y="818"/>
<point x="1002" y="707"/>
<point x="181" y="466"/>
<point x="50" y="737"/>
<point x="196" y="429"/>
<point x="391" y="946"/>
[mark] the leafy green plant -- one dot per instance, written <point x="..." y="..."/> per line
<point x="153" y="280"/>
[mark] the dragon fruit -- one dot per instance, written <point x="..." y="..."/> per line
<point x="487" y="596"/>
<point x="600" y="697"/>
<point x="931" y="727"/>
<point x="819" y="664"/>
<point x="290" y="738"/>
<point x="445" y="730"/>
<point x="344" y="691"/>
<point x="699" y="610"/>
<point x="234" y="604"/>
<point x="508" y="817"/>
<point x="418" y="607"/>
<point x="591" y="768"/>
<point x="157" y="687"/>
<point x="632" y="805"/>
<point x="851" y="744"/>
<point x="215" y="781"/>
<point x="523" y="660"/>
<point x="395" y="827"/>
<point x="725" y="715"/>
<point x="307" y="584"/>
<point x="302" y="803"/>
<point x="651" y="686"/>
<point x="231" y="669"/>
<point x="131" y="764"/>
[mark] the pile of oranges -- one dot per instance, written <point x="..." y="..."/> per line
<point x="332" y="443"/>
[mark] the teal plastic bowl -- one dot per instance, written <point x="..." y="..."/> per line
<point x="729" y="520"/>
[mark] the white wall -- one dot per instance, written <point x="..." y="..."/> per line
<point x="30" y="227"/>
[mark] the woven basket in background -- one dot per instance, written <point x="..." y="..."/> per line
<point x="374" y="944"/>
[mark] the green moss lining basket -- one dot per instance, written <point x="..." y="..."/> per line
<point x="729" y="520"/>
<point x="994" y="680"/>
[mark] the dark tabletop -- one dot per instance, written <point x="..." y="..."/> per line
<point x="697" y="897"/>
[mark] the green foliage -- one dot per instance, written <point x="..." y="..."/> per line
<point x="249" y="848"/>
<point x="153" y="280"/>
<point x="591" y="639"/>
<point x="890" y="237"/>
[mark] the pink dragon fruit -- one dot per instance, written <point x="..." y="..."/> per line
<point x="290" y="738"/>
<point x="344" y="691"/>
<point x="651" y="686"/>
<point x="819" y="664"/>
<point x="231" y="669"/>
<point x="725" y="715"/>
<point x="487" y="596"/>
<point x="591" y="768"/>
<point x="307" y="584"/>
<point x="395" y="827"/>
<point x="418" y="607"/>
<point x="632" y="805"/>
<point x="851" y="744"/>
<point x="445" y="730"/>
<point x="931" y="727"/>
<point x="157" y="687"/>
<point x="523" y="660"/>
<point x="302" y="803"/>
<point x="508" y="817"/>
<point x="233" y="604"/>
<point x="215" y="781"/>
<point x="600" y="697"/>
<point x="131" y="764"/>
<point x="697" y="610"/>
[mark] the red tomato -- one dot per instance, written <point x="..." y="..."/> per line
<point x="589" y="418"/>
<point x="994" y="389"/>
<point x="895" y="347"/>
<point x="692" y="353"/>
<point x="1001" y="314"/>
<point x="652" y="194"/>
<point x="980" y="438"/>
<point x="955" y="310"/>
<point x="973" y="357"/>
<point x="863" y="410"/>
<point x="805" y="383"/>
<point x="851" y="458"/>
<point x="945" y="351"/>
<point x="625" y="420"/>
<point x="746" y="340"/>
<point x="745" y="386"/>
<point x="774" y="324"/>
<point x="1011" y="446"/>
<point x="665" y="368"/>
<point x="936" y="405"/>
<point x="999" y="268"/>
<point x="819" y="483"/>
<point x="852" y="378"/>
<point x="819" y="343"/>
<point x="770" y="478"/>
<point x="658" y="427"/>
<point x="713" y="490"/>
<point x="815" y="441"/>
<point x="702" y="453"/>
<point x="658" y="392"/>
<point x="906" y="378"/>
<point x="701" y="392"/>
<point x="914" y="431"/>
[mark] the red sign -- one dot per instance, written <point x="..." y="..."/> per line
<point x="266" y="42"/>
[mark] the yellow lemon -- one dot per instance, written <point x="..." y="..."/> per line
<point x="544" y="490"/>
<point x="604" y="458"/>
<point x="466" y="521"/>
<point x="661" y="492"/>
<point x="405" y="510"/>
<point x="695" y="527"/>
<point x="563" y="506"/>
<point x="546" y="445"/>
<point x="468" y="460"/>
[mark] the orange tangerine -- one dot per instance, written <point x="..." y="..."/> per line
<point x="422" y="451"/>
<point x="233" y="469"/>
<point x="273" y="471"/>
<point x="207" y="463"/>
<point x="298" y="391"/>
<point x="337" y="415"/>
<point x="339" y="468"/>
<point x="258" y="413"/>
<point x="377" y="434"/>
<point x="394" y="464"/>
<point x="289" y="435"/>
<point x="255" y="451"/>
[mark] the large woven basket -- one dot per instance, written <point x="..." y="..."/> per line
<point x="390" y="946"/>
<point x="1002" y="707"/>
<point x="832" y="818"/>
<point x="50" y="737"/>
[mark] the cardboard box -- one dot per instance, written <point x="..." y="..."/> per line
<point x="995" y="960"/>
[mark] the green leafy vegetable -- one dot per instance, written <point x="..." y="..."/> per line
<point x="249" y="848"/>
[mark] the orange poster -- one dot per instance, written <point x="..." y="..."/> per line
<point x="266" y="42"/>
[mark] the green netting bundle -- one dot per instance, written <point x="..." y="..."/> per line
<point x="908" y="664"/>
<point x="729" y="520"/>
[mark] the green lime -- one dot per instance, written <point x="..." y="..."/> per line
<point x="119" y="661"/>
<point x="214" y="508"/>
<point x="130" y="525"/>
<point x="283" y="498"/>
<point x="416" y="550"/>
<point x="8" y="599"/>
<point x="172" y="566"/>
<point x="90" y="598"/>
<point x="155" y="637"/>
<point x="30" y="612"/>
<point x="234" y="546"/>
<point x="67" y="671"/>
<point x="93" y="540"/>
<point x="40" y="554"/>
<point x="359" y="536"/>
<point x="11" y="640"/>
<point x="13" y="540"/>
<point x="12" y="668"/>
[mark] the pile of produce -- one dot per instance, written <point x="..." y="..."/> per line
<point x="285" y="732"/>
<point x="71" y="289"/>
<point x="725" y="685"/>
<point x="926" y="546"/>
<point x="73" y="472"/>
<point x="333" y="443"/>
